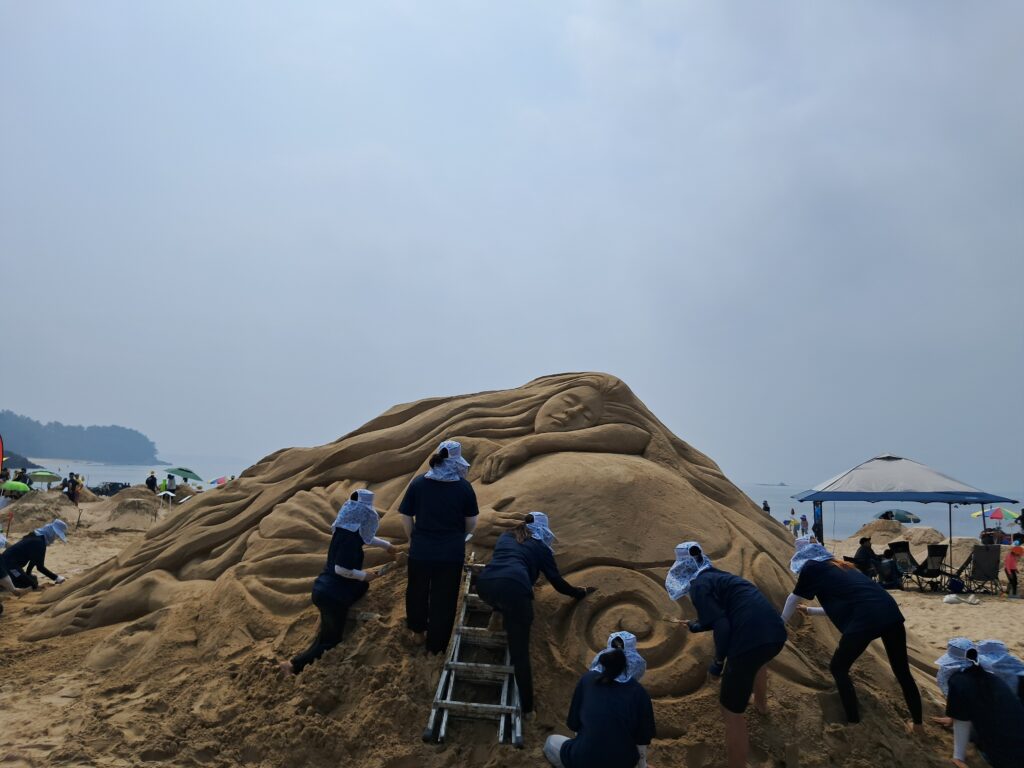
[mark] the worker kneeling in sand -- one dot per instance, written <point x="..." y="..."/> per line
<point x="748" y="633"/>
<point x="506" y="584"/>
<point x="995" y="657"/>
<point x="342" y="581"/>
<point x="610" y="712"/>
<point x="861" y="610"/>
<point x="30" y="553"/>
<point x="980" y="708"/>
<point x="5" y="578"/>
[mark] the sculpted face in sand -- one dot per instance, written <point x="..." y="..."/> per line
<point x="621" y="490"/>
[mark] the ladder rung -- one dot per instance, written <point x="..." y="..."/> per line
<point x="468" y="709"/>
<point x="470" y="670"/>
<point x="484" y="637"/>
<point x="477" y="603"/>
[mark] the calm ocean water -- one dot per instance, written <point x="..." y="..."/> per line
<point x="842" y="519"/>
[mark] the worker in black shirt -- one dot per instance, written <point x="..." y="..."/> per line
<point x="748" y="633"/>
<point x="342" y="582"/>
<point x="151" y="482"/>
<point x="506" y="584"/>
<point x="30" y="553"/>
<point x="438" y="511"/>
<point x="861" y="610"/>
<point x="5" y="578"/>
<point x="980" y="707"/>
<point x="865" y="558"/>
<point x="611" y="714"/>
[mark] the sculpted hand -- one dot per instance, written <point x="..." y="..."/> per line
<point x="491" y="523"/>
<point x="499" y="463"/>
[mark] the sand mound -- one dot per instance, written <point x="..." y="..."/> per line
<point x="133" y="509"/>
<point x="38" y="508"/>
<point x="181" y="625"/>
<point x="85" y="496"/>
<point x="879" y="531"/>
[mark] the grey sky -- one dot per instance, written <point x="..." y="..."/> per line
<point x="794" y="230"/>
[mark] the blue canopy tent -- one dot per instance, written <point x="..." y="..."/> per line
<point x="894" y="478"/>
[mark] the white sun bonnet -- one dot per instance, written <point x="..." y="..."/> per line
<point x="807" y="550"/>
<point x="635" y="663"/>
<point x="359" y="516"/>
<point x="685" y="570"/>
<point x="453" y="468"/>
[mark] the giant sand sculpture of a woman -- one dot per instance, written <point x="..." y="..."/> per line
<point x="619" y="487"/>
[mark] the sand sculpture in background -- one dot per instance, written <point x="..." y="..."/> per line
<point x="619" y="487"/>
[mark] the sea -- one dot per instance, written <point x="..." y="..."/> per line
<point x="842" y="519"/>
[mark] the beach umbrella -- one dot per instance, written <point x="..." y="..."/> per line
<point x="901" y="516"/>
<point x="44" y="476"/>
<point x="219" y="480"/>
<point x="13" y="485"/>
<point x="187" y="474"/>
<point x="999" y="513"/>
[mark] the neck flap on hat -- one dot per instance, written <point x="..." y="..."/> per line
<point x="540" y="530"/>
<point x="953" y="660"/>
<point x="635" y="663"/>
<point x="807" y="550"/>
<point x="687" y="567"/>
<point x="454" y="467"/>
<point x="994" y="657"/>
<point x="358" y="517"/>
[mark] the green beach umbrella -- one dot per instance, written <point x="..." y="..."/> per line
<point x="188" y="474"/>
<point x="44" y="476"/>
<point x="12" y="485"/>
<point x="901" y="516"/>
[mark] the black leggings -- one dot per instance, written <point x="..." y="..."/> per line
<point x="332" y="626"/>
<point x="852" y="645"/>
<point x="1011" y="578"/>
<point x="516" y="608"/>
<point x="431" y="597"/>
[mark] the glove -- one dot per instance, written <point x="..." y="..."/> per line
<point x="59" y="580"/>
<point x="716" y="668"/>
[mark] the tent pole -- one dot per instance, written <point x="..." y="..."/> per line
<point x="951" y="535"/>
<point x="984" y="525"/>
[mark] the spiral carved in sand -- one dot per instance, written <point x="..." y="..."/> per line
<point x="635" y="601"/>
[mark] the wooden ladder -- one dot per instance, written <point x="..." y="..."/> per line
<point x="458" y="667"/>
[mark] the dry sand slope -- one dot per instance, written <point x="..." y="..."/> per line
<point x="162" y="653"/>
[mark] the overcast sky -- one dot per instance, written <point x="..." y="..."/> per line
<point x="795" y="230"/>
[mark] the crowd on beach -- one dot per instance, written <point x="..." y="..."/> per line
<point x="611" y="713"/>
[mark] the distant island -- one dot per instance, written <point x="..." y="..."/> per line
<point x="107" y="445"/>
<point x="14" y="460"/>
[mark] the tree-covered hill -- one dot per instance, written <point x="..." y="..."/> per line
<point x="111" y="445"/>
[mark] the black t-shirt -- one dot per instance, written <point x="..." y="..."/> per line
<point x="852" y="601"/>
<point x="346" y="550"/>
<point x="523" y="563"/>
<point x="609" y="721"/>
<point x="27" y="554"/>
<point x="440" y="510"/>
<point x="746" y="619"/>
<point x="993" y="710"/>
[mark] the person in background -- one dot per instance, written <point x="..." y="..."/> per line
<point x="748" y="633"/>
<point x="151" y="481"/>
<point x="1010" y="569"/>
<point x="71" y="489"/>
<point x="888" y="572"/>
<point x="30" y="553"/>
<point x="172" y="483"/>
<point x="861" y="610"/>
<point x="865" y="558"/>
<point x="979" y="707"/>
<point x="765" y="508"/>
<point x="5" y="475"/>
<point x="342" y="582"/>
<point x="506" y="584"/>
<point x="793" y="523"/>
<point x="437" y="512"/>
<point x="804" y="525"/>
<point x="611" y="713"/>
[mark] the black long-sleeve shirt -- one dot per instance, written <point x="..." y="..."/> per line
<point x="523" y="563"/>
<point x="27" y="554"/>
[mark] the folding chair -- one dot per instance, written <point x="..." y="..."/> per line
<point x="983" y="573"/>
<point x="933" y="572"/>
<point x="905" y="562"/>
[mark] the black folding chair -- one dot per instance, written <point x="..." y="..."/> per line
<point x="933" y="572"/>
<point x="983" y="573"/>
<point x="905" y="562"/>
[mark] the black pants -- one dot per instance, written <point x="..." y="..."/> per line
<point x="431" y="596"/>
<point x="1011" y="578"/>
<point x="852" y="645"/>
<point x="24" y="580"/>
<point x="332" y="627"/>
<point x="516" y="608"/>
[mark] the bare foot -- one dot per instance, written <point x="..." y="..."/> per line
<point x="916" y="729"/>
<point x="286" y="667"/>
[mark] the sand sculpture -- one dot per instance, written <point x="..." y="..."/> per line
<point x="619" y="487"/>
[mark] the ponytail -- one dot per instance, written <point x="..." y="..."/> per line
<point x="354" y="496"/>
<point x="521" y="532"/>
<point x="438" y="457"/>
<point x="613" y="664"/>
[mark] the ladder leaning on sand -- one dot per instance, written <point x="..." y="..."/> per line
<point x="463" y="668"/>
